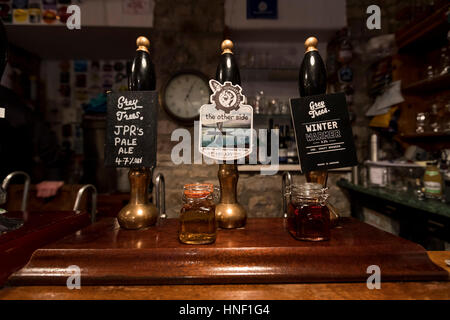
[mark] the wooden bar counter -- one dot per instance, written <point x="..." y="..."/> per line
<point x="39" y="228"/>
<point x="260" y="261"/>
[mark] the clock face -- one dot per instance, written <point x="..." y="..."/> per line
<point x="184" y="94"/>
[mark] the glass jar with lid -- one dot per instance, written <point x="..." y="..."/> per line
<point x="308" y="214"/>
<point x="432" y="181"/>
<point x="197" y="216"/>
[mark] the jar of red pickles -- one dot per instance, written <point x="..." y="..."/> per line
<point x="198" y="216"/>
<point x="308" y="214"/>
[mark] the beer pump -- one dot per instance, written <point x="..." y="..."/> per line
<point x="229" y="213"/>
<point x="312" y="80"/>
<point x="139" y="212"/>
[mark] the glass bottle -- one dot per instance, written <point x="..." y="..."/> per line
<point x="256" y="107"/>
<point x="435" y="118"/>
<point x="292" y="147"/>
<point x="432" y="181"/>
<point x="446" y="117"/>
<point x="283" y="147"/>
<point x="444" y="63"/>
<point x="421" y="121"/>
<point x="197" y="216"/>
<point x="308" y="214"/>
<point x="262" y="103"/>
<point x="430" y="72"/>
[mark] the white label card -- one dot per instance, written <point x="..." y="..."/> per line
<point x="226" y="124"/>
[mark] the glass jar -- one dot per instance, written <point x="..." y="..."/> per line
<point x="432" y="181"/>
<point x="197" y="216"/>
<point x="308" y="214"/>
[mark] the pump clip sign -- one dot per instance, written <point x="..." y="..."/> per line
<point x="323" y="132"/>
<point x="226" y="123"/>
<point x="131" y="129"/>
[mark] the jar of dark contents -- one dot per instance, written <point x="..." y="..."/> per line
<point x="308" y="214"/>
<point x="197" y="216"/>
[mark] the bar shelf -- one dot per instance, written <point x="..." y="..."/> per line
<point x="428" y="86"/>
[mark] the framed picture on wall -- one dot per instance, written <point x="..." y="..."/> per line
<point x="262" y="9"/>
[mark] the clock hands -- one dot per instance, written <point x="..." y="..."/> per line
<point x="189" y="102"/>
<point x="189" y="91"/>
<point x="188" y="95"/>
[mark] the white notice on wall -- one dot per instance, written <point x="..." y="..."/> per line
<point x="2" y="112"/>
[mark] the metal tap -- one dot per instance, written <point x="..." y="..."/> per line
<point x="161" y="195"/>
<point x="139" y="212"/>
<point x="287" y="177"/>
<point x="26" y="188"/>
<point x="230" y="214"/>
<point x="80" y="193"/>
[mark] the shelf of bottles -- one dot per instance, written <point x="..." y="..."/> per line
<point x="431" y="84"/>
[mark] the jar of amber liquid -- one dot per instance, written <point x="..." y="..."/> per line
<point x="308" y="214"/>
<point x="197" y="216"/>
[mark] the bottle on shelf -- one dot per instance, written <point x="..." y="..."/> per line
<point x="432" y="181"/>
<point x="256" y="106"/>
<point x="444" y="63"/>
<point x="430" y="72"/>
<point x="269" y="140"/>
<point x="292" y="147"/>
<point x="445" y="173"/>
<point x="262" y="108"/>
<point x="435" y="116"/>
<point x="283" y="148"/>
<point x="445" y="121"/>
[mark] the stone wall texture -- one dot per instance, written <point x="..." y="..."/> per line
<point x="259" y="194"/>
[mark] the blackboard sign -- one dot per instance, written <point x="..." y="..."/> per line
<point x="131" y="129"/>
<point x="323" y="132"/>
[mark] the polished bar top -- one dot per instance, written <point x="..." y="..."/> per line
<point x="262" y="252"/>
<point x="304" y="291"/>
<point x="39" y="229"/>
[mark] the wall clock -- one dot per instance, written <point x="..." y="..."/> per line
<point x="184" y="94"/>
